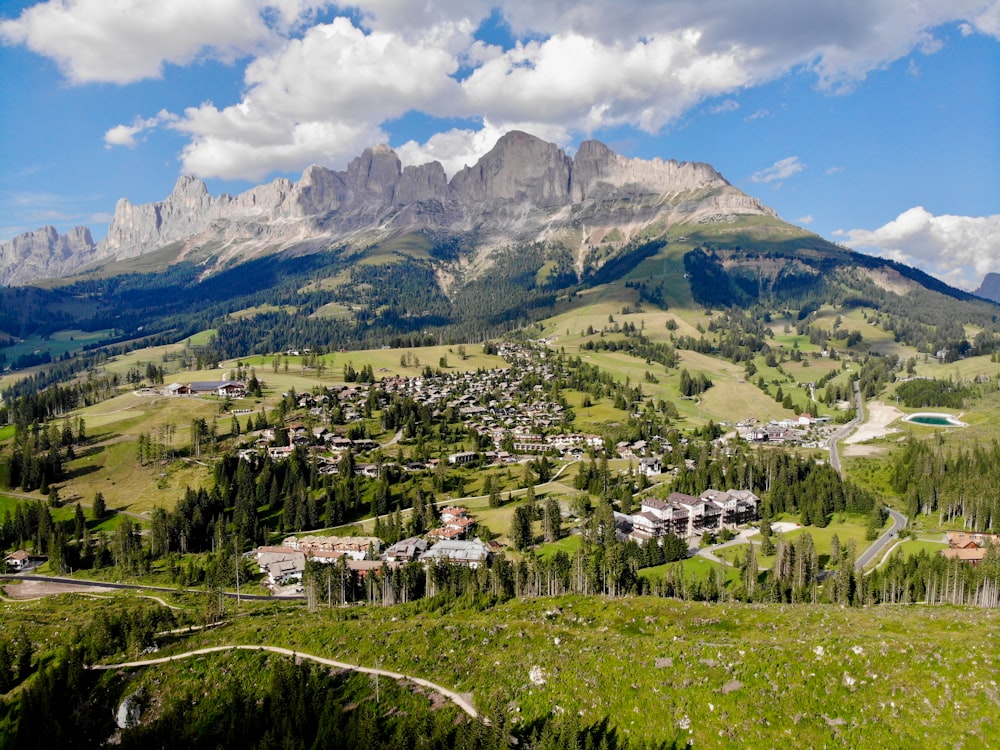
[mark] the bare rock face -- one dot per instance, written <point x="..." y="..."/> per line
<point x="189" y="209"/>
<point x="44" y="254"/>
<point x="520" y="168"/>
<point x="522" y="190"/>
<point x="990" y="288"/>
<point x="600" y="173"/>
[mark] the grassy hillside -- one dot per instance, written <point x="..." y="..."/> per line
<point x="658" y="671"/>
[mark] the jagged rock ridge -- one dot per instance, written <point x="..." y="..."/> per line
<point x="524" y="189"/>
<point x="44" y="254"/>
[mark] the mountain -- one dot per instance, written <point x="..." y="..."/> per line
<point x="379" y="254"/>
<point x="45" y="253"/>
<point x="523" y="190"/>
<point x="990" y="288"/>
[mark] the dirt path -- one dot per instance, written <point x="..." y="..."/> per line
<point x="459" y="700"/>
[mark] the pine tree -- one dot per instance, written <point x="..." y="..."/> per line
<point x="99" y="509"/>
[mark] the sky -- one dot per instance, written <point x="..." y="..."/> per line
<point x="874" y="123"/>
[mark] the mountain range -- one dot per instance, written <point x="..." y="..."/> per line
<point x="379" y="254"/>
<point x="523" y="190"/>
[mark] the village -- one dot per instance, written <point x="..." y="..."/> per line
<point x="511" y="415"/>
<point x="682" y="515"/>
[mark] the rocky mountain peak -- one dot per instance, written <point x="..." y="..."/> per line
<point x="990" y="288"/>
<point x="44" y="253"/>
<point x="523" y="189"/>
<point x="521" y="168"/>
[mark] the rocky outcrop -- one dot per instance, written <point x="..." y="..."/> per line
<point x="44" y="254"/>
<point x="523" y="189"/>
<point x="990" y="288"/>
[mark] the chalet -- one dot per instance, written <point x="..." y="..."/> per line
<point x="22" y="560"/>
<point x="970" y="547"/>
<point x="462" y="458"/>
<point x="177" y="389"/>
<point x="281" y="565"/>
<point x="280" y="452"/>
<point x="407" y="550"/>
<point x="972" y="555"/>
<point x="472" y="553"/>
<point x="961" y="538"/>
<point x="650" y="466"/>
<point x="231" y="388"/>
<point x="455" y="524"/>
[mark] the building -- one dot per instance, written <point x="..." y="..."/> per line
<point x="407" y="550"/>
<point x="687" y="516"/>
<point x="231" y="388"/>
<point x="281" y="565"/>
<point x="650" y="466"/>
<point x="472" y="553"/>
<point x="22" y="560"/>
<point x="326" y="549"/>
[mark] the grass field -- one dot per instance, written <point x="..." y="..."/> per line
<point x="913" y="547"/>
<point x="659" y="671"/>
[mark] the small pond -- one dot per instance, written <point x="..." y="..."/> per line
<point x="935" y="420"/>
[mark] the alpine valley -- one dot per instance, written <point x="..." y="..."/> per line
<point x="561" y="452"/>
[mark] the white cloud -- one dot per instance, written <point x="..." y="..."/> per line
<point x="585" y="84"/>
<point x="958" y="249"/>
<point x="807" y="219"/>
<point x="129" y="40"/>
<point x="833" y="170"/>
<point x="780" y="170"/>
<point x="320" y="91"/>
<point x="729" y="105"/>
<point x="126" y="135"/>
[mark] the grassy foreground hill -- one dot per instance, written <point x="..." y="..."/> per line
<point x="652" y="671"/>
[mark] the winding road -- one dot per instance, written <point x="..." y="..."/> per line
<point x="459" y="700"/>
<point x="880" y="544"/>
<point x="898" y="519"/>
<point x="846" y="430"/>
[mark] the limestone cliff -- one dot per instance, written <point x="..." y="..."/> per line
<point x="43" y="254"/>
<point x="524" y="189"/>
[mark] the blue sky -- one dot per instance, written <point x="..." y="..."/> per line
<point x="875" y="123"/>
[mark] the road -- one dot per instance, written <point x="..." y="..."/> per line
<point x="898" y="519"/>
<point x="880" y="544"/>
<point x="743" y="537"/>
<point x="135" y="587"/>
<point x="846" y="430"/>
<point x="451" y="695"/>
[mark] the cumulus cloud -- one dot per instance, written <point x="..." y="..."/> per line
<point x="128" y="135"/>
<point x="807" y="219"/>
<point x="320" y="90"/>
<point x="958" y="249"/>
<point x="129" y="40"/>
<point x="779" y="171"/>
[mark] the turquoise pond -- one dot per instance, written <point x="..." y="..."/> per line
<point x="936" y="420"/>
